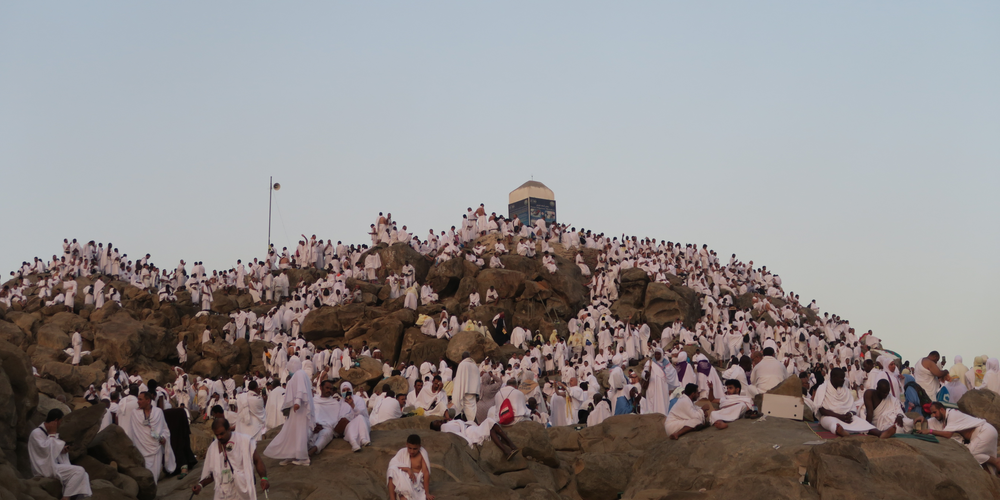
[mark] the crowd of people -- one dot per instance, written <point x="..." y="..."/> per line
<point x="701" y="372"/>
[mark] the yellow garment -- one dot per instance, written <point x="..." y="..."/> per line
<point x="421" y="319"/>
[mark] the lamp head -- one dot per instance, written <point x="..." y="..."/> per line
<point x="276" y="186"/>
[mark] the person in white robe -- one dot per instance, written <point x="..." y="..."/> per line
<point x="601" y="411"/>
<point x="410" y="302"/>
<point x="659" y="390"/>
<point x="358" y="431"/>
<point x="885" y="411"/>
<point x="953" y="424"/>
<point x="250" y="412"/>
<point x="732" y="405"/>
<point x="49" y="458"/>
<point x="408" y="476"/>
<point x="432" y="398"/>
<point x="272" y="410"/>
<point x="390" y="407"/>
<point x="182" y="351"/>
<point x="835" y="405"/>
<point x="331" y="417"/>
<point x="230" y="463"/>
<point x="151" y="435"/>
<point x="77" y="342"/>
<point x="466" y="386"/>
<point x="768" y="373"/>
<point x="291" y="445"/>
<point x="684" y="416"/>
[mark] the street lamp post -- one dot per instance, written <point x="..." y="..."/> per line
<point x="271" y="188"/>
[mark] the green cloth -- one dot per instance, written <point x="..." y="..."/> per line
<point x="923" y="437"/>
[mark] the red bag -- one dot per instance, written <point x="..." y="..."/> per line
<point x="506" y="414"/>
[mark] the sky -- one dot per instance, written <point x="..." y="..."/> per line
<point x="851" y="147"/>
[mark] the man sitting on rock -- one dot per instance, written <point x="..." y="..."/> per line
<point x="409" y="472"/>
<point x="330" y="415"/>
<point x="835" y="406"/>
<point x="685" y="417"/>
<point x="953" y="424"/>
<point x="732" y="405"/>
<point x="885" y="412"/>
<point x="49" y="458"/>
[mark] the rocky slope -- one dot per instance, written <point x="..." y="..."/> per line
<point x="628" y="455"/>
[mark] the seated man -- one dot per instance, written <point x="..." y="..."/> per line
<point x="433" y="398"/>
<point x="884" y="411"/>
<point x="49" y="458"/>
<point x="953" y="424"/>
<point x="388" y="408"/>
<point x="330" y="414"/>
<point x="409" y="472"/>
<point x="835" y="405"/>
<point x="476" y="434"/>
<point x="731" y="405"/>
<point x="685" y="417"/>
<point x="628" y="404"/>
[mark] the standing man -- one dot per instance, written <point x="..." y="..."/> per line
<point x="77" y="347"/>
<point x="465" y="389"/>
<point x="150" y="435"/>
<point x="250" y="409"/>
<point x="232" y="459"/>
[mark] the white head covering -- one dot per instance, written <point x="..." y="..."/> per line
<point x="346" y="386"/>
<point x="993" y="365"/>
<point x="958" y="359"/>
<point x="294" y="364"/>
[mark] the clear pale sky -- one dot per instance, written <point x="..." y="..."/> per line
<point x="853" y="148"/>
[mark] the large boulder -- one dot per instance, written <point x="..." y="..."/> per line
<point x="332" y="321"/>
<point x="508" y="284"/>
<point x="395" y="256"/>
<point x="474" y="343"/>
<point x="52" y="337"/>
<point x="385" y="334"/>
<point x="446" y="276"/>
<point x="602" y="475"/>
<point x="74" y="379"/>
<point x="9" y="332"/>
<point x="113" y="445"/>
<point x="663" y="306"/>
<point x="69" y="322"/>
<point x="368" y="371"/>
<point x="122" y="339"/>
<point x="80" y="427"/>
<point x="867" y="467"/>
<point x="431" y="350"/>
<point x="982" y="403"/>
<point x="18" y="397"/>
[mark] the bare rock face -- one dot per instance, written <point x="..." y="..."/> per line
<point x="18" y="398"/>
<point x="474" y="343"/>
<point x="367" y="372"/>
<point x="80" y="427"/>
<point x="982" y="403"/>
<point x="395" y="256"/>
<point x="329" y="321"/>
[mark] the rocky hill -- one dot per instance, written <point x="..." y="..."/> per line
<point x="628" y="455"/>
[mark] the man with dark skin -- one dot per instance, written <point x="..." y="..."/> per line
<point x="837" y="378"/>
<point x="873" y="398"/>
<point x="223" y="433"/>
<point x="326" y="391"/>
